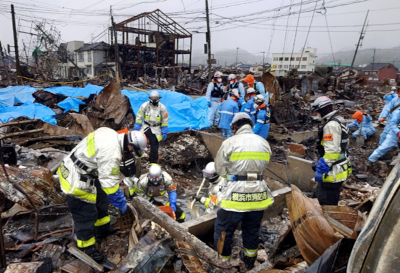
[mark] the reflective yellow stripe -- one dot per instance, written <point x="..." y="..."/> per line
<point x="206" y="203"/>
<point x="64" y="183"/>
<point x="152" y="164"/>
<point x="132" y="191"/>
<point x="164" y="124"/>
<point x="339" y="176"/>
<point x="159" y="138"/>
<point x="83" y="244"/>
<point x="162" y="192"/>
<point x="158" y="119"/>
<point x="246" y="205"/>
<point x="322" y="143"/>
<point x="102" y="221"/>
<point x="139" y="112"/>
<point x="226" y="257"/>
<point x="91" y="197"/>
<point x="115" y="171"/>
<point x="182" y="216"/>
<point x="91" y="150"/>
<point x="138" y="121"/>
<point x="333" y="156"/>
<point x="112" y="190"/>
<point x="250" y="252"/>
<point x="147" y="117"/>
<point x="250" y="155"/>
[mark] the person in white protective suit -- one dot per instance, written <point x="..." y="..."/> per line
<point x="242" y="159"/>
<point x="90" y="177"/>
<point x="334" y="165"/>
<point x="152" y="119"/>
<point x="217" y="184"/>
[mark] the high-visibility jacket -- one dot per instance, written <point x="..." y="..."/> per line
<point x="249" y="108"/>
<point x="158" y="193"/>
<point x="215" y="188"/>
<point x="227" y="110"/>
<point x="333" y="144"/>
<point x="244" y="154"/>
<point x="100" y="151"/>
<point x="153" y="117"/>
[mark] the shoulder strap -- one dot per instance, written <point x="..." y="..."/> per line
<point x="394" y="108"/>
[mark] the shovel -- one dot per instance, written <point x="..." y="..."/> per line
<point x="360" y="137"/>
<point x="191" y="205"/>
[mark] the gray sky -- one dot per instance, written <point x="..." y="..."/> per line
<point x="235" y="23"/>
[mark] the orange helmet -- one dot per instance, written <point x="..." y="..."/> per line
<point x="358" y="116"/>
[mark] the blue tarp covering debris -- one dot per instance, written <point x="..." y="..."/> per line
<point x="70" y="104"/>
<point x="184" y="112"/>
<point x="75" y="91"/>
<point x="30" y="110"/>
<point x="16" y="94"/>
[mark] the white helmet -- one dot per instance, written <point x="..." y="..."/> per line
<point x="155" y="175"/>
<point x="138" y="141"/>
<point x="259" y="99"/>
<point x="209" y="171"/>
<point x="217" y="74"/>
<point x="240" y="116"/>
<point x="235" y="92"/>
<point x="154" y="97"/>
<point x="231" y="77"/>
<point x="251" y="91"/>
<point x="320" y="103"/>
<point x="393" y="89"/>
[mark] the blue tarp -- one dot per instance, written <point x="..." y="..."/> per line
<point x="70" y="104"/>
<point x="75" y="91"/>
<point x="16" y="94"/>
<point x="30" y="110"/>
<point x="184" y="112"/>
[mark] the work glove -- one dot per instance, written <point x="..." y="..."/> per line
<point x="164" y="131"/>
<point x="322" y="167"/>
<point x="318" y="176"/>
<point x="381" y="120"/>
<point x="137" y="126"/>
<point x="124" y="209"/>
<point x="172" y="196"/>
<point x="209" y="104"/>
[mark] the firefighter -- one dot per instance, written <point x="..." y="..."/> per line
<point x="262" y="117"/>
<point x="217" y="184"/>
<point x="152" y="119"/>
<point x="333" y="166"/>
<point x="242" y="159"/>
<point x="160" y="190"/>
<point x="89" y="176"/>
<point x="363" y="120"/>
<point x="215" y="93"/>
<point x="234" y="84"/>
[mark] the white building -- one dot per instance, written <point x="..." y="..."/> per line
<point x="304" y="61"/>
<point x="86" y="56"/>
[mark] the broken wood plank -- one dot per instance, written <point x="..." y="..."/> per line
<point x="20" y="133"/>
<point x="51" y="251"/>
<point x="77" y="266"/>
<point x="85" y="258"/>
<point x="191" y="263"/>
<point x="23" y="267"/>
<point x="177" y="231"/>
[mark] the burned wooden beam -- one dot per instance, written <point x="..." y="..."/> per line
<point x="177" y="231"/>
<point x="21" y="133"/>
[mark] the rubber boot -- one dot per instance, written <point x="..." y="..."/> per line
<point x="92" y="253"/>
<point x="104" y="231"/>
<point x="248" y="261"/>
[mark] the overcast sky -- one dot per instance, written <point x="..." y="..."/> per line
<point x="234" y="23"/>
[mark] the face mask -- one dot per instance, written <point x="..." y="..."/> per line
<point x="219" y="80"/>
<point x="232" y="82"/>
<point x="255" y="105"/>
<point x="154" y="102"/>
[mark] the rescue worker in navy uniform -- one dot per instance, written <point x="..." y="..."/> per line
<point x="89" y="176"/>
<point x="160" y="189"/>
<point x="333" y="165"/>
<point x="152" y="119"/>
<point x="242" y="159"/>
<point x="215" y="93"/>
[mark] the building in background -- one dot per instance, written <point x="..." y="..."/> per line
<point x="376" y="73"/>
<point x="304" y="61"/>
<point x="85" y="56"/>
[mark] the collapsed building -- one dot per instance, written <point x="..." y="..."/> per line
<point x="152" y="45"/>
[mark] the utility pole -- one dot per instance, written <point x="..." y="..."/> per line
<point x="208" y="39"/>
<point x="115" y="48"/>
<point x="359" y="40"/>
<point x="4" y="63"/>
<point x="237" y="53"/>
<point x="15" y="44"/>
<point x="263" y="58"/>
<point x="373" y="63"/>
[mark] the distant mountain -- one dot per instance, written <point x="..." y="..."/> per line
<point x="228" y="56"/>
<point x="364" y="56"/>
